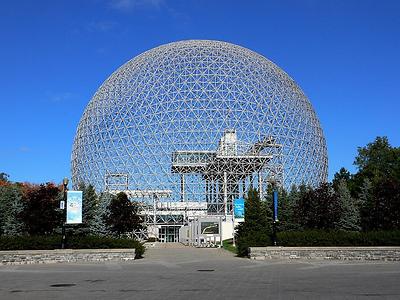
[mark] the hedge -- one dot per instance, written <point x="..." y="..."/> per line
<point x="316" y="238"/>
<point x="338" y="238"/>
<point x="81" y="242"/>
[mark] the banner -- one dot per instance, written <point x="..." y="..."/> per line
<point x="74" y="207"/>
<point x="238" y="208"/>
<point x="275" y="199"/>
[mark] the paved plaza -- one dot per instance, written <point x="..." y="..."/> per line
<point x="178" y="272"/>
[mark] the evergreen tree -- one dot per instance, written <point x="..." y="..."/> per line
<point x="255" y="213"/>
<point x="287" y="219"/>
<point x="349" y="218"/>
<point x="89" y="209"/>
<point x="286" y="210"/>
<point x="3" y="203"/>
<point x="342" y="175"/>
<point x="11" y="207"/>
<point x="303" y="206"/>
<point x="387" y="204"/>
<point x="318" y="208"/>
<point x="366" y="204"/>
<point x="123" y="215"/>
<point x="99" y="225"/>
<point x="256" y="228"/>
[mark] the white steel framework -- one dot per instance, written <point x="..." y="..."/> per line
<point x="198" y="121"/>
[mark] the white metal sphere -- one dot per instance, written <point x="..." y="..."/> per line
<point x="183" y="96"/>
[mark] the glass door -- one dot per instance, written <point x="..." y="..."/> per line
<point x="169" y="234"/>
<point x="162" y="234"/>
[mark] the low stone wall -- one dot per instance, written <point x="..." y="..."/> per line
<point x="326" y="253"/>
<point x="19" y="257"/>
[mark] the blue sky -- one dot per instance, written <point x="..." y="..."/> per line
<point x="54" y="55"/>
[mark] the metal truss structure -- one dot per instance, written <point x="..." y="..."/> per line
<point x="197" y="122"/>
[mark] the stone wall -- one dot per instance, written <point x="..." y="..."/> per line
<point x="326" y="253"/>
<point x="66" y="255"/>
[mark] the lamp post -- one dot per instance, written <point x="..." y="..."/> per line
<point x="64" y="208"/>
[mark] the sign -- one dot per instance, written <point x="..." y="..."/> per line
<point x="209" y="228"/>
<point x="74" y="207"/>
<point x="62" y="204"/>
<point x="238" y="208"/>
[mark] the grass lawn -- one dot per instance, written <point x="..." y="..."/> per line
<point x="227" y="245"/>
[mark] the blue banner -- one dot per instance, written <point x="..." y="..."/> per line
<point x="74" y="207"/>
<point x="238" y="208"/>
<point x="275" y="198"/>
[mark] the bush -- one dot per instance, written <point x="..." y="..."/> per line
<point x="97" y="242"/>
<point x="338" y="238"/>
<point x="251" y="239"/>
<point x="30" y="242"/>
<point x="320" y="238"/>
<point x="54" y="242"/>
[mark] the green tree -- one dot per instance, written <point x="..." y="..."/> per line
<point x="366" y="204"/>
<point x="387" y="197"/>
<point x="123" y="215"/>
<point x="377" y="184"/>
<point x="349" y="217"/>
<point x="344" y="175"/>
<point x="381" y="206"/>
<point x="89" y="210"/>
<point x="303" y="206"/>
<point x="256" y="216"/>
<point x="99" y="225"/>
<point x="377" y="161"/>
<point x="286" y="204"/>
<point x="318" y="208"/>
<point x="256" y="228"/>
<point x="11" y="207"/>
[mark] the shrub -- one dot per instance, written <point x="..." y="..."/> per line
<point x="97" y="242"/>
<point x="338" y="238"/>
<point x="82" y="242"/>
<point x="251" y="239"/>
<point x="320" y="238"/>
<point x="30" y="242"/>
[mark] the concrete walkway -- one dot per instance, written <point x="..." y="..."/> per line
<point x="158" y="245"/>
<point x="178" y="272"/>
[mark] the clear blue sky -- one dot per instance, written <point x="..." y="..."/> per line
<point x="54" y="55"/>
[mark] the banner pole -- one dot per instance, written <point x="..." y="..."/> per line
<point x="65" y="188"/>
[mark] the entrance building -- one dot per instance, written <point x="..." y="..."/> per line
<point x="169" y="234"/>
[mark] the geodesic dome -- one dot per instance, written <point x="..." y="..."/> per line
<point x="203" y="110"/>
